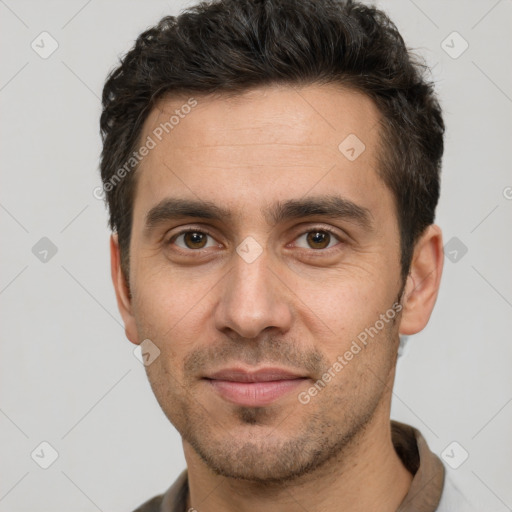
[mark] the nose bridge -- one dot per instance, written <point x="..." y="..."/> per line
<point x="251" y="281"/>
<point x="252" y="300"/>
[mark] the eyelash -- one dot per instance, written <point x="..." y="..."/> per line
<point x="206" y="232"/>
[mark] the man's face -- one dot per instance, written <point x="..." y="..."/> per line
<point x="273" y="278"/>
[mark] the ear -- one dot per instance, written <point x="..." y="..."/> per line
<point x="423" y="281"/>
<point x="124" y="301"/>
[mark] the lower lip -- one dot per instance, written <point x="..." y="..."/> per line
<point x="254" y="394"/>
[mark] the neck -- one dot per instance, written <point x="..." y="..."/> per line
<point x="368" y="475"/>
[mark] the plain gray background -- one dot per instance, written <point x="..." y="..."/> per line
<point x="69" y="377"/>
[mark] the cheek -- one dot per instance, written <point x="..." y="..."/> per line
<point x="168" y="302"/>
<point x="173" y="312"/>
<point x="169" y="389"/>
<point x="339" y="307"/>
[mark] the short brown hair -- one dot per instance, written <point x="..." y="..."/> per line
<point x="234" y="45"/>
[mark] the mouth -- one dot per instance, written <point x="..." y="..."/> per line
<point x="255" y="388"/>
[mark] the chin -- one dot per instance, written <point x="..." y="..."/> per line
<point x="264" y="458"/>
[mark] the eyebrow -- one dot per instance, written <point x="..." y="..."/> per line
<point x="293" y="209"/>
<point x="326" y="206"/>
<point x="175" y="208"/>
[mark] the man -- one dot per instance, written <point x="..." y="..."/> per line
<point x="272" y="172"/>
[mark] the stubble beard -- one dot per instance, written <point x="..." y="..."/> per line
<point x="328" y="433"/>
<point x="328" y="430"/>
<point x="270" y="462"/>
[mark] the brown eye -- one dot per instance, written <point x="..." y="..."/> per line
<point x="193" y="240"/>
<point x="318" y="239"/>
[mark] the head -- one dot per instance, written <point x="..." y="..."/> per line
<point x="279" y="178"/>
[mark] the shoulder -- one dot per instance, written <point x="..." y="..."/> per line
<point x="152" y="505"/>
<point x="173" y="500"/>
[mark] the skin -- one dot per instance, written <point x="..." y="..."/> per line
<point x="299" y="304"/>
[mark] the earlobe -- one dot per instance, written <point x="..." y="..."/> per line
<point x="423" y="281"/>
<point x="124" y="301"/>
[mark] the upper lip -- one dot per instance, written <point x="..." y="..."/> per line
<point x="265" y="374"/>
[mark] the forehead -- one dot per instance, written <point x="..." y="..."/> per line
<point x="274" y="141"/>
<point x="275" y="114"/>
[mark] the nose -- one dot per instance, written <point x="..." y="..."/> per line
<point x="252" y="299"/>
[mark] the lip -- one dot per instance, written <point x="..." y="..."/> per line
<point x="265" y="374"/>
<point x="255" y="388"/>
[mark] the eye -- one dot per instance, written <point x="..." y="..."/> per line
<point x="317" y="239"/>
<point x="192" y="239"/>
